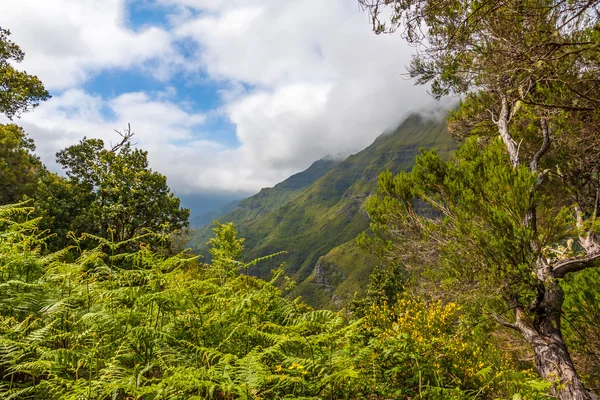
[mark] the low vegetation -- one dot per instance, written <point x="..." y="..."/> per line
<point x="486" y="284"/>
<point x="103" y="323"/>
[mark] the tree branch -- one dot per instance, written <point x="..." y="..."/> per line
<point x="505" y="323"/>
<point x="534" y="165"/>
<point x="562" y="268"/>
<point x="561" y="107"/>
<point x="503" y="120"/>
<point x="125" y="137"/>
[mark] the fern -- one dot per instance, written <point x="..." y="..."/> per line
<point x="115" y="323"/>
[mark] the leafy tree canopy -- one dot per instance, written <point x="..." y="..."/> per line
<point x="19" y="168"/>
<point x="19" y="92"/>
<point x="112" y="192"/>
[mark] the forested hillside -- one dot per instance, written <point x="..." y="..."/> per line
<point x="309" y="221"/>
<point x="210" y="216"/>
<point x="265" y="201"/>
<point x="483" y="228"/>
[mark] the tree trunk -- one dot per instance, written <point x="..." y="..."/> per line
<point x="552" y="357"/>
<point x="502" y="123"/>
<point x="554" y="364"/>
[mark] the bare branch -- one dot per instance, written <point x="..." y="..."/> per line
<point x="562" y="268"/>
<point x="505" y="323"/>
<point x="125" y="137"/>
<point x="503" y="120"/>
<point x="579" y="215"/>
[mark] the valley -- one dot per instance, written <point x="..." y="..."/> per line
<point x="316" y="215"/>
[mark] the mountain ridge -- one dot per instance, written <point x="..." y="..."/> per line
<point x="325" y="216"/>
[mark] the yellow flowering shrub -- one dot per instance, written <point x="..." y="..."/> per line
<point x="420" y="349"/>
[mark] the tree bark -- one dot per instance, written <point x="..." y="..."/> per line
<point x="502" y="124"/>
<point x="543" y="334"/>
<point x="555" y="365"/>
<point x="552" y="357"/>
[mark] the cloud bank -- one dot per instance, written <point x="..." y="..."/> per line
<point x="297" y="80"/>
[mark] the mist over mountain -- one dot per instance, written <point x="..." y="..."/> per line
<point x="315" y="215"/>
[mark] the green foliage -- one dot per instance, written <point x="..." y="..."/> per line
<point x="325" y="217"/>
<point x="225" y="245"/>
<point x="225" y="248"/>
<point x="514" y="228"/>
<point x="581" y="316"/>
<point x="459" y="227"/>
<point x="138" y="324"/>
<point x="19" y="168"/>
<point x="109" y="192"/>
<point x="426" y="349"/>
<point x="63" y="207"/>
<point x="19" y="92"/>
<point x="473" y="207"/>
<point x="386" y="283"/>
<point x="141" y="325"/>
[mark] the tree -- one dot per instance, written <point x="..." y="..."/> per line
<point x="113" y="193"/>
<point x="19" y="168"/>
<point x="63" y="207"/>
<point x="226" y="250"/>
<point x="581" y="312"/>
<point x="19" y="92"/>
<point x="528" y="73"/>
<point x="460" y="226"/>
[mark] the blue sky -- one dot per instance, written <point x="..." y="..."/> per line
<point x="142" y="13"/>
<point x="227" y="96"/>
<point x="199" y="96"/>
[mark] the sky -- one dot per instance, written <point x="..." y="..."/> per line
<point x="227" y="96"/>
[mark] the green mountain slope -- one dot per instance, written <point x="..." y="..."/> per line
<point x="337" y="276"/>
<point x="263" y="202"/>
<point x="315" y="221"/>
<point x="208" y="217"/>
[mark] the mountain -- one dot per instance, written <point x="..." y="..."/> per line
<point x="317" y="223"/>
<point x="208" y="217"/>
<point x="201" y="205"/>
<point x="265" y="201"/>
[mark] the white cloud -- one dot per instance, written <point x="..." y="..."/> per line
<point x="164" y="128"/>
<point x="293" y="108"/>
<point x="66" y="118"/>
<point x="321" y="81"/>
<point x="68" y="41"/>
<point x="299" y="79"/>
